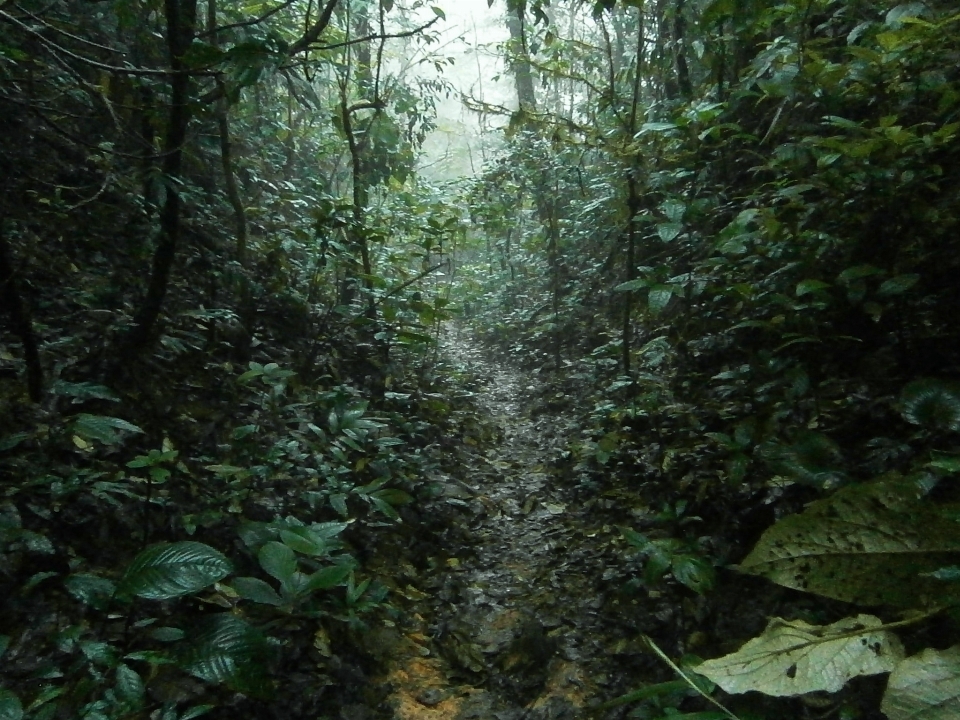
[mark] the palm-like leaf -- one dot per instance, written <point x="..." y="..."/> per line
<point x="932" y="404"/>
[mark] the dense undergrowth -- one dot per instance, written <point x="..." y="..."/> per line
<point x="777" y="359"/>
<point x="729" y="250"/>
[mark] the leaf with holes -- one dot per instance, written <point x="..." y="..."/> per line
<point x="924" y="687"/>
<point x="169" y="570"/>
<point x="792" y="657"/>
<point x="869" y="544"/>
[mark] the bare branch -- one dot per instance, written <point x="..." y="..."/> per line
<point x="247" y="23"/>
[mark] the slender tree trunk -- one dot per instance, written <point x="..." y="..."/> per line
<point x="679" y="53"/>
<point x="242" y="284"/>
<point x="226" y="150"/>
<point x="633" y="204"/>
<point x="553" y="252"/>
<point x="20" y="321"/>
<point x="180" y="20"/>
<point x="522" y="74"/>
<point x="360" y="199"/>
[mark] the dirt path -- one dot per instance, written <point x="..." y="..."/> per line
<point x="509" y="626"/>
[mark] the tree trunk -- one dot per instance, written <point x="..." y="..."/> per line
<point x="20" y="321"/>
<point x="679" y="54"/>
<point x="522" y="74"/>
<point x="633" y="202"/>
<point x="180" y="20"/>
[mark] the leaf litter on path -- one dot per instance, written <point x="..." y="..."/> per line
<point x="512" y="615"/>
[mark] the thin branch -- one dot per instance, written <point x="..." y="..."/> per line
<point x="377" y="36"/>
<point x="247" y="23"/>
<point x="408" y="283"/>
<point x="314" y="33"/>
<point x="68" y="34"/>
<point x="55" y="49"/>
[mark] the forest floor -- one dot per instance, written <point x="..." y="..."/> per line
<point x="511" y="620"/>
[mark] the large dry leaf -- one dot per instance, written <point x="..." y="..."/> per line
<point x="868" y="544"/>
<point x="925" y="687"/>
<point x="794" y="657"/>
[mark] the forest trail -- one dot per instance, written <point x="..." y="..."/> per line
<point x="511" y="627"/>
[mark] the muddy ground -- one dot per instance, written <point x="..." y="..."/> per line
<point x="516" y="611"/>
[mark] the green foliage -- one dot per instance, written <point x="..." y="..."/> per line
<point x="682" y="559"/>
<point x="226" y="649"/>
<point x="169" y="570"/>
<point x="931" y="404"/>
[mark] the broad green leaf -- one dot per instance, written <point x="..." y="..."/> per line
<point x="636" y="284"/>
<point x="669" y="231"/>
<point x="278" y="560"/>
<point x="102" y="427"/>
<point x="693" y="572"/>
<point x="338" y="501"/>
<point x="674" y="210"/>
<point x="8" y="442"/>
<point x="91" y="590"/>
<point x="129" y="687"/>
<point x="792" y="657"/>
<point x="394" y="496"/>
<point x="869" y="544"/>
<point x="384" y="507"/>
<point x="931" y="403"/>
<point x="656" y="127"/>
<point x="226" y="649"/>
<point x="807" y="287"/>
<point x="897" y="285"/>
<point x="83" y="391"/>
<point x="857" y="272"/>
<point x="10" y="706"/>
<point x="99" y="653"/>
<point x="636" y="539"/>
<point x="303" y="540"/>
<point x="329" y="530"/>
<point x="37" y="543"/>
<point x="328" y="577"/>
<point x="167" y="634"/>
<point x="250" y="588"/>
<point x="943" y="461"/>
<point x="659" y="297"/>
<point x="924" y="687"/>
<point x="255" y="534"/>
<point x="169" y="570"/>
<point x="896" y="16"/>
